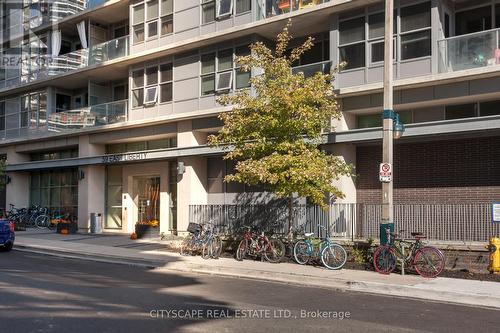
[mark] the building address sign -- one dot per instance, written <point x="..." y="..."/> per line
<point x="117" y="158"/>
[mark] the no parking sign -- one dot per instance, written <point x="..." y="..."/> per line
<point x="385" y="172"/>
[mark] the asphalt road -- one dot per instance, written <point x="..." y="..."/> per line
<point x="48" y="294"/>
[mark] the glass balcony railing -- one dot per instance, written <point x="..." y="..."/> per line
<point x="469" y="51"/>
<point x="278" y="7"/>
<point x="49" y="65"/>
<point x="96" y="115"/>
<point x="311" y="69"/>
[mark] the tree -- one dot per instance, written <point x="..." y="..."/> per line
<point x="274" y="133"/>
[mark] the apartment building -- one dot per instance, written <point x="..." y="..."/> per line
<point x="110" y="108"/>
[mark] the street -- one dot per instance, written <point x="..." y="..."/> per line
<point x="48" y="294"/>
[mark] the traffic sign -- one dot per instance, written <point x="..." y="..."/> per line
<point x="385" y="172"/>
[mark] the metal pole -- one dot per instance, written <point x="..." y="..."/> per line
<point x="387" y="150"/>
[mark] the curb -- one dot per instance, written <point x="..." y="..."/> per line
<point x="381" y="289"/>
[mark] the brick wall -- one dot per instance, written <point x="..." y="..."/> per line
<point x="458" y="171"/>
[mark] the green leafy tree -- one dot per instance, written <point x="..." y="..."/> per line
<point x="273" y="134"/>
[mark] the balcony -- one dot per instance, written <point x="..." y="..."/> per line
<point x="96" y="115"/>
<point x="480" y="49"/>
<point x="311" y="69"/>
<point x="48" y="65"/>
<point x="278" y="7"/>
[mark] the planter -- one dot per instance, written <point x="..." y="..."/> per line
<point x="146" y="231"/>
<point x="71" y="227"/>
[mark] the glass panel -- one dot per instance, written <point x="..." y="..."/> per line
<point x="152" y="12"/>
<point x="225" y="59"/>
<point x="208" y="14"/>
<point x="158" y="144"/>
<point x="208" y="84"/>
<point x="242" y="79"/>
<point x="376" y="25"/>
<point x="371" y="120"/>
<point x="167" y="7"/>
<point x="491" y="108"/>
<point x="137" y="98"/>
<point x="166" y="92"/>
<point x="354" y="55"/>
<point x="167" y="25"/>
<point x="473" y="20"/>
<point x="377" y="52"/>
<point x="415" y="45"/>
<point x="152" y="29"/>
<point x="138" y="78"/>
<point x="208" y="63"/>
<point x="243" y="6"/>
<point x="151" y="75"/>
<point x="166" y="72"/>
<point x="138" y="14"/>
<point x="460" y="111"/>
<point x="416" y="17"/>
<point x="139" y="33"/>
<point x="352" y="30"/>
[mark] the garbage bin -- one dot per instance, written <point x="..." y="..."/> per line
<point x="95" y="223"/>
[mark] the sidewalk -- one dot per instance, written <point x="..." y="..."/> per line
<point x="113" y="248"/>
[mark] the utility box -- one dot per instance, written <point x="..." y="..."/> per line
<point x="95" y="223"/>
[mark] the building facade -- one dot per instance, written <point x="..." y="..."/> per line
<point x="109" y="107"/>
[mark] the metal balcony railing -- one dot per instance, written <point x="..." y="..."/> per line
<point x="480" y="49"/>
<point x="277" y="7"/>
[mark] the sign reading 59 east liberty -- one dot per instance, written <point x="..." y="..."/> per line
<point x="117" y="158"/>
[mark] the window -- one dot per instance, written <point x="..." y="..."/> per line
<point x="352" y="42"/>
<point x="491" y="108"/>
<point x="208" y="74"/>
<point x="207" y="11"/>
<point x="460" y="111"/>
<point x="243" y="6"/>
<point x="166" y="83"/>
<point x="156" y="20"/>
<point x="219" y="72"/>
<point x="376" y="37"/>
<point x="138" y="21"/>
<point x="224" y="8"/>
<point x="2" y="116"/>
<point x="370" y="120"/>
<point x="151" y="95"/>
<point x="416" y="31"/>
<point x="473" y="20"/>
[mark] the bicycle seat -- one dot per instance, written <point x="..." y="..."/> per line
<point x="309" y="234"/>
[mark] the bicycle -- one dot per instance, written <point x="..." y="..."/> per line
<point x="255" y="244"/>
<point x="212" y="243"/>
<point x="203" y="239"/>
<point x="18" y="216"/>
<point x="332" y="255"/>
<point x="427" y="261"/>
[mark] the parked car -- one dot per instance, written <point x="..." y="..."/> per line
<point x="7" y="235"/>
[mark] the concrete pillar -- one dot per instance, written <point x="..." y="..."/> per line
<point x="91" y="189"/>
<point x="18" y="190"/>
<point x="347" y="152"/>
<point x="192" y="185"/>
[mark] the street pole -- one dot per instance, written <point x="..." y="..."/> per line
<point x="388" y="123"/>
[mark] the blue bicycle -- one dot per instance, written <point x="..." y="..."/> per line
<point x="332" y="255"/>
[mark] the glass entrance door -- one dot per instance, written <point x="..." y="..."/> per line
<point x="147" y="191"/>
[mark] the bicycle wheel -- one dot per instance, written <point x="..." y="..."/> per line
<point x="42" y="222"/>
<point x="274" y="250"/>
<point x="334" y="256"/>
<point x="384" y="259"/>
<point x="429" y="262"/>
<point x="216" y="247"/>
<point x="301" y="252"/>
<point x="242" y="250"/>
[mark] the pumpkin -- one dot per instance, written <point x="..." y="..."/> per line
<point x="133" y="236"/>
<point x="64" y="231"/>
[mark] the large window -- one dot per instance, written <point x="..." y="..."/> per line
<point x="152" y="84"/>
<point x="118" y="148"/>
<point x="151" y="19"/>
<point x="219" y="73"/>
<point x="55" y="189"/>
<point x="473" y="20"/>
<point x="416" y="31"/>
<point x="212" y="10"/>
<point x="362" y="37"/>
<point x="352" y="42"/>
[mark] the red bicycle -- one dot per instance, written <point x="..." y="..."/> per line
<point x="258" y="244"/>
